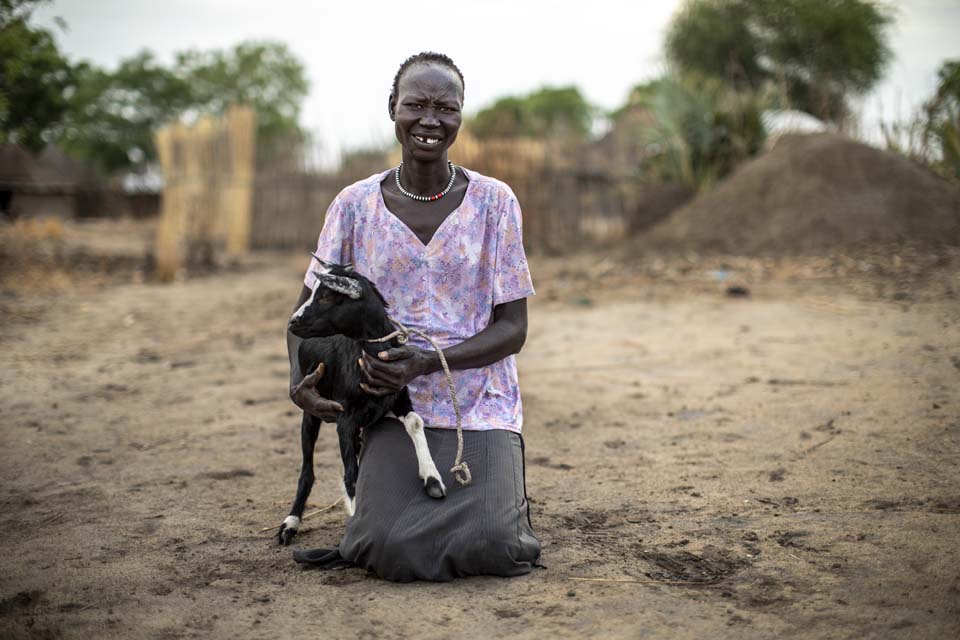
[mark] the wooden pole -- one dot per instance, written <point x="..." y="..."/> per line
<point x="241" y="127"/>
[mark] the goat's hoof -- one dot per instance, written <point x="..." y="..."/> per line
<point x="434" y="488"/>
<point x="285" y="535"/>
<point x="287" y="530"/>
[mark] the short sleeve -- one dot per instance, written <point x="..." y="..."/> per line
<point x="335" y="243"/>
<point x="511" y="280"/>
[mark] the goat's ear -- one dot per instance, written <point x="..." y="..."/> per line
<point x="323" y="263"/>
<point x="347" y="286"/>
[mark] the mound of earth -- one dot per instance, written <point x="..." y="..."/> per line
<point x="812" y="193"/>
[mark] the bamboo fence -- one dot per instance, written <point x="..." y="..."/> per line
<point x="207" y="196"/>
<point x="223" y="197"/>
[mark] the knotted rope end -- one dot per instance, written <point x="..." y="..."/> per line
<point x="462" y="473"/>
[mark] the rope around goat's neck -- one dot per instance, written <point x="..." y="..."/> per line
<point x="460" y="470"/>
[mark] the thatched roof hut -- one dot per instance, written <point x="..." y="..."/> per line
<point x="50" y="183"/>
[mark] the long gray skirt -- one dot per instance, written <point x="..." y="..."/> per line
<point x="402" y="534"/>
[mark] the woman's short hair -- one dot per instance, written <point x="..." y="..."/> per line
<point x="426" y="57"/>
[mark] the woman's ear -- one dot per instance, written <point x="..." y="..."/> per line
<point x="392" y="106"/>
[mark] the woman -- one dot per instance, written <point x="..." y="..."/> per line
<point x="443" y="245"/>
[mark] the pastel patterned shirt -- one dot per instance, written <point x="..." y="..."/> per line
<point x="447" y="288"/>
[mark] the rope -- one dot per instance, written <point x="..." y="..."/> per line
<point x="460" y="470"/>
<point x="398" y="334"/>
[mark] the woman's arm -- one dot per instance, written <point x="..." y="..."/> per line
<point x="303" y="389"/>
<point x="395" y="368"/>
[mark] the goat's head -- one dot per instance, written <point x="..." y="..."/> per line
<point x="342" y="302"/>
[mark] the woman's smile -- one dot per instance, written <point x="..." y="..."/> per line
<point x="427" y="140"/>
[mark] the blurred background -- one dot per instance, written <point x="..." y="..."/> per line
<point x="739" y="381"/>
<point x="604" y="121"/>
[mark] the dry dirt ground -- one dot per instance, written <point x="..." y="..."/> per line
<point x="780" y="465"/>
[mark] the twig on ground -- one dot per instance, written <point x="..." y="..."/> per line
<point x="818" y="445"/>
<point x="309" y="515"/>
<point x="682" y="583"/>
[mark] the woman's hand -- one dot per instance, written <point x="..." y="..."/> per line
<point x="305" y="396"/>
<point x="392" y="370"/>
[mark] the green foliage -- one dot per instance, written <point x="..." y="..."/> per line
<point x="109" y="117"/>
<point x="697" y="129"/>
<point x="932" y="134"/>
<point x="14" y="10"/>
<point x="34" y="78"/>
<point x="818" y="52"/>
<point x="714" y="38"/>
<point x="113" y="115"/>
<point x="547" y="112"/>
<point x="265" y="75"/>
<point x="942" y="120"/>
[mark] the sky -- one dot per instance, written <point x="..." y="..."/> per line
<point x="351" y="49"/>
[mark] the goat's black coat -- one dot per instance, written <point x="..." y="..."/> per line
<point x="336" y="328"/>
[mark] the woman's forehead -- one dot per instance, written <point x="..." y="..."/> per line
<point x="432" y="77"/>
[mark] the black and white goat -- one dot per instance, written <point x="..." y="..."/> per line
<point x="344" y="316"/>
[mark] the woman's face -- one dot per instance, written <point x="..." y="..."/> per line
<point x="427" y="111"/>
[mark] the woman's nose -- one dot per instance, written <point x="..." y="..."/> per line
<point x="429" y="119"/>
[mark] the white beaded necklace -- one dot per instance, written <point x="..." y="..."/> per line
<point x="453" y="176"/>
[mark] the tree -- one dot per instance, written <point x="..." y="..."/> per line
<point x="550" y="111"/>
<point x="941" y="116"/>
<point x="112" y="116"/>
<point x="818" y="52"/>
<point x="697" y="129"/>
<point x="34" y="78"/>
<point x="265" y="75"/>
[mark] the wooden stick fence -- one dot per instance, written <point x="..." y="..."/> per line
<point x="223" y="196"/>
<point x="207" y="194"/>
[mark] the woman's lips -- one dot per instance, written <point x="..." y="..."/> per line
<point x="428" y="140"/>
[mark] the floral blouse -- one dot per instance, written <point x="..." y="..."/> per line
<point x="447" y="288"/>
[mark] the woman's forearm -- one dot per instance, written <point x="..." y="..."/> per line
<point x="293" y="351"/>
<point x="391" y="370"/>
<point x="293" y="346"/>
<point x="303" y="390"/>
<point x="503" y="337"/>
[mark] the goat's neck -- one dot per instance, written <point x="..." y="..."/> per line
<point x="372" y="328"/>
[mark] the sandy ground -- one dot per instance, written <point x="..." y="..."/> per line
<point x="780" y="465"/>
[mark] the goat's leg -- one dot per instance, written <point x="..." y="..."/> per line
<point x="426" y="469"/>
<point x="347" y="432"/>
<point x="309" y="429"/>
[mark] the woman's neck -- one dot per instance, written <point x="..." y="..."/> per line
<point x="425" y="178"/>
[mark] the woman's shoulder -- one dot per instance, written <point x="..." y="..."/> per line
<point x="489" y="188"/>
<point x="361" y="190"/>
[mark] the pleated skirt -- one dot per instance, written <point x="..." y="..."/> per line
<point x="401" y="534"/>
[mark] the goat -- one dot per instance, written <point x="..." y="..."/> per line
<point x="345" y="316"/>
